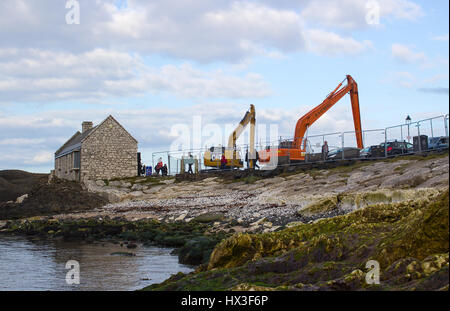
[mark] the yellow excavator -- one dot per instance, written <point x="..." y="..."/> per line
<point x="213" y="156"/>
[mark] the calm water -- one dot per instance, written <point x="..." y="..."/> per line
<point x="40" y="265"/>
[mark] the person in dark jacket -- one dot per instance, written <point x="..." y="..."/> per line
<point x="164" y="170"/>
<point x="190" y="164"/>
<point x="325" y="151"/>
<point x="256" y="160"/>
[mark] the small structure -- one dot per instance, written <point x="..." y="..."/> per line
<point x="105" y="151"/>
<point x="189" y="160"/>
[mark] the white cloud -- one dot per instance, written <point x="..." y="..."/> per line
<point x="351" y="14"/>
<point x="43" y="157"/>
<point x="405" y="79"/>
<point x="423" y="84"/>
<point x="329" y="43"/>
<point x="401" y="9"/>
<point x="405" y="54"/>
<point x="36" y="75"/>
<point x="199" y="30"/>
<point x="21" y="141"/>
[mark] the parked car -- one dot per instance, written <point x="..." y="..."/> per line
<point x="349" y="153"/>
<point x="438" y="142"/>
<point x="372" y="152"/>
<point x="397" y="147"/>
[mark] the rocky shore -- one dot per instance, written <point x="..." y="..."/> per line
<point x="300" y="230"/>
<point x="409" y="241"/>
<point x="267" y="204"/>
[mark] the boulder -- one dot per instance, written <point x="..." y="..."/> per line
<point x="136" y="194"/>
<point x="126" y="184"/>
<point x="196" y="251"/>
<point x="168" y="181"/>
<point x="100" y="183"/>
<point x="91" y="186"/>
<point x="409" y="179"/>
<point x="209" y="217"/>
<point x="22" y="198"/>
<point x="152" y="190"/>
<point x="137" y="187"/>
<point x="115" y="183"/>
<point x="181" y="217"/>
<point x="268" y="224"/>
<point x="114" y="196"/>
<point x="258" y="222"/>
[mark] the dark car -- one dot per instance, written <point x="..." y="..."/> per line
<point x="438" y="142"/>
<point x="349" y="153"/>
<point x="372" y="152"/>
<point x="397" y="147"/>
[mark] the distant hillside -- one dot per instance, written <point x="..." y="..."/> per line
<point x="14" y="183"/>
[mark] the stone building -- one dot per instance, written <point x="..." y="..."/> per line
<point x="105" y="151"/>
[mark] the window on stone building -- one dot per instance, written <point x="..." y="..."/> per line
<point x="76" y="159"/>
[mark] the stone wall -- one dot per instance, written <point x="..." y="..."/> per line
<point x="64" y="168"/>
<point x="108" y="152"/>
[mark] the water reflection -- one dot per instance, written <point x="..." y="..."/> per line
<point x="40" y="265"/>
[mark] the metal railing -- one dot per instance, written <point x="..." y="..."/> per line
<point x="407" y="138"/>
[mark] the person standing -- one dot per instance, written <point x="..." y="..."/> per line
<point x="159" y="166"/>
<point x="256" y="160"/>
<point x="325" y="150"/>
<point x="191" y="160"/>
<point x="223" y="162"/>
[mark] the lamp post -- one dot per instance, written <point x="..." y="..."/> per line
<point x="408" y="123"/>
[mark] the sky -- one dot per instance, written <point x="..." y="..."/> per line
<point x="154" y="65"/>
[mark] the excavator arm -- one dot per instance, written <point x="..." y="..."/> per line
<point x="308" y="119"/>
<point x="212" y="159"/>
<point x="250" y="117"/>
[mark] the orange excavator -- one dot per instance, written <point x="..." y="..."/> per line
<point x="295" y="150"/>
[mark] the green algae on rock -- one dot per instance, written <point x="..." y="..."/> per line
<point x="409" y="239"/>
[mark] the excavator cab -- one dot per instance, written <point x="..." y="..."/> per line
<point x="212" y="157"/>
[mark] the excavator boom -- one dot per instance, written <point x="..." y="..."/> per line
<point x="297" y="150"/>
<point x="250" y="117"/>
<point x="308" y="119"/>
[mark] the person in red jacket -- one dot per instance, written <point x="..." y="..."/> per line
<point x="223" y="162"/>
<point x="159" y="166"/>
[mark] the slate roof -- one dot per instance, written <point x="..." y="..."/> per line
<point x="73" y="144"/>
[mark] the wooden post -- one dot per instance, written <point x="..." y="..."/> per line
<point x="182" y="168"/>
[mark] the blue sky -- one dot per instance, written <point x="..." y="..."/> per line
<point x="155" y="64"/>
